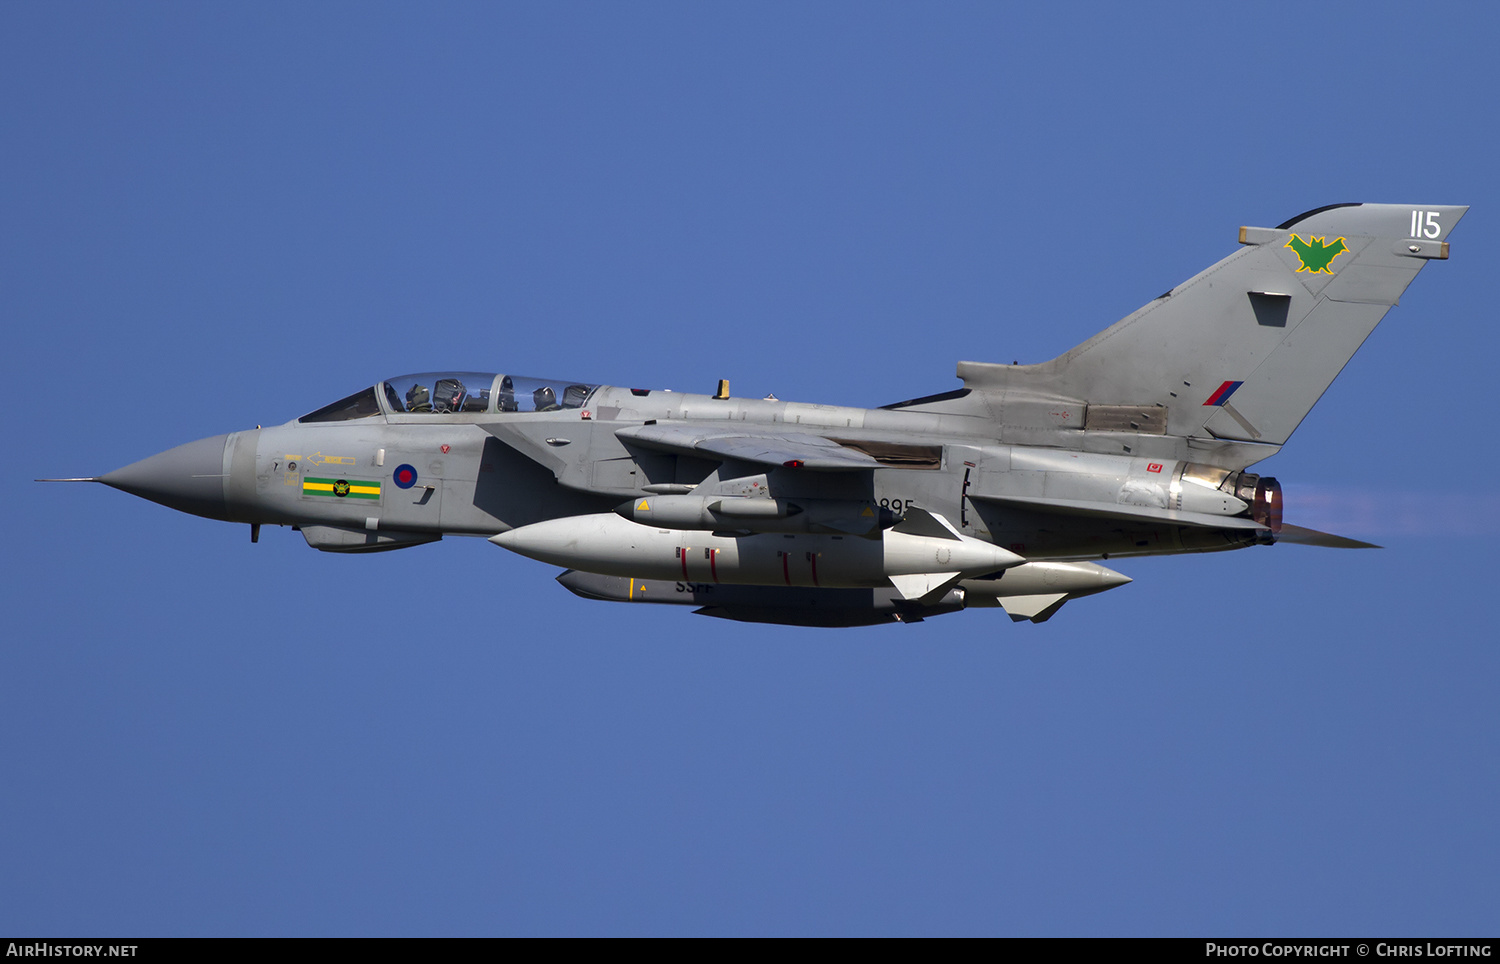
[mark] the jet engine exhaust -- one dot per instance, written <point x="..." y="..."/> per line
<point x="1266" y="504"/>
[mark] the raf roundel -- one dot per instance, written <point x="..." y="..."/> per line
<point x="405" y="476"/>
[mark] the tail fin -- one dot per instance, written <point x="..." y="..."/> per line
<point x="1245" y="349"/>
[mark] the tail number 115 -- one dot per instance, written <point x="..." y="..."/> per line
<point x="1424" y="224"/>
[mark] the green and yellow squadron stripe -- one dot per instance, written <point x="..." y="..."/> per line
<point x="341" y="488"/>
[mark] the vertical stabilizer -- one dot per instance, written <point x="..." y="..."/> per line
<point x="1245" y="349"/>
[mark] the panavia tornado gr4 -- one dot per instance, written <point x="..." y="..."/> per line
<point x="1000" y="494"/>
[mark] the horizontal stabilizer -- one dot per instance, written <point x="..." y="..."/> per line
<point x="1129" y="513"/>
<point x="1312" y="537"/>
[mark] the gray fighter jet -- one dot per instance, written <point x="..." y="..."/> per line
<point x="996" y="494"/>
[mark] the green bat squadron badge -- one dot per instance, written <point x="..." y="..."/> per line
<point x="1315" y="255"/>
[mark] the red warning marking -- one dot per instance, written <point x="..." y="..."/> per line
<point x="684" y="564"/>
<point x="1154" y="467"/>
<point x="713" y="564"/>
<point x="786" y="572"/>
<point x="445" y="447"/>
<point x="812" y="557"/>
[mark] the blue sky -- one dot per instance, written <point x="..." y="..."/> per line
<point x="218" y="216"/>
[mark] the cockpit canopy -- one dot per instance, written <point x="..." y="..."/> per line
<point x="455" y="393"/>
<point x="438" y="393"/>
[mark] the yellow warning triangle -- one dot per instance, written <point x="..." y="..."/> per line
<point x="643" y="507"/>
<point x="868" y="512"/>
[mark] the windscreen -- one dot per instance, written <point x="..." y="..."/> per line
<point x="359" y="405"/>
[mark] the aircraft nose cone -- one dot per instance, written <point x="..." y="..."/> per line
<point x="189" y="478"/>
